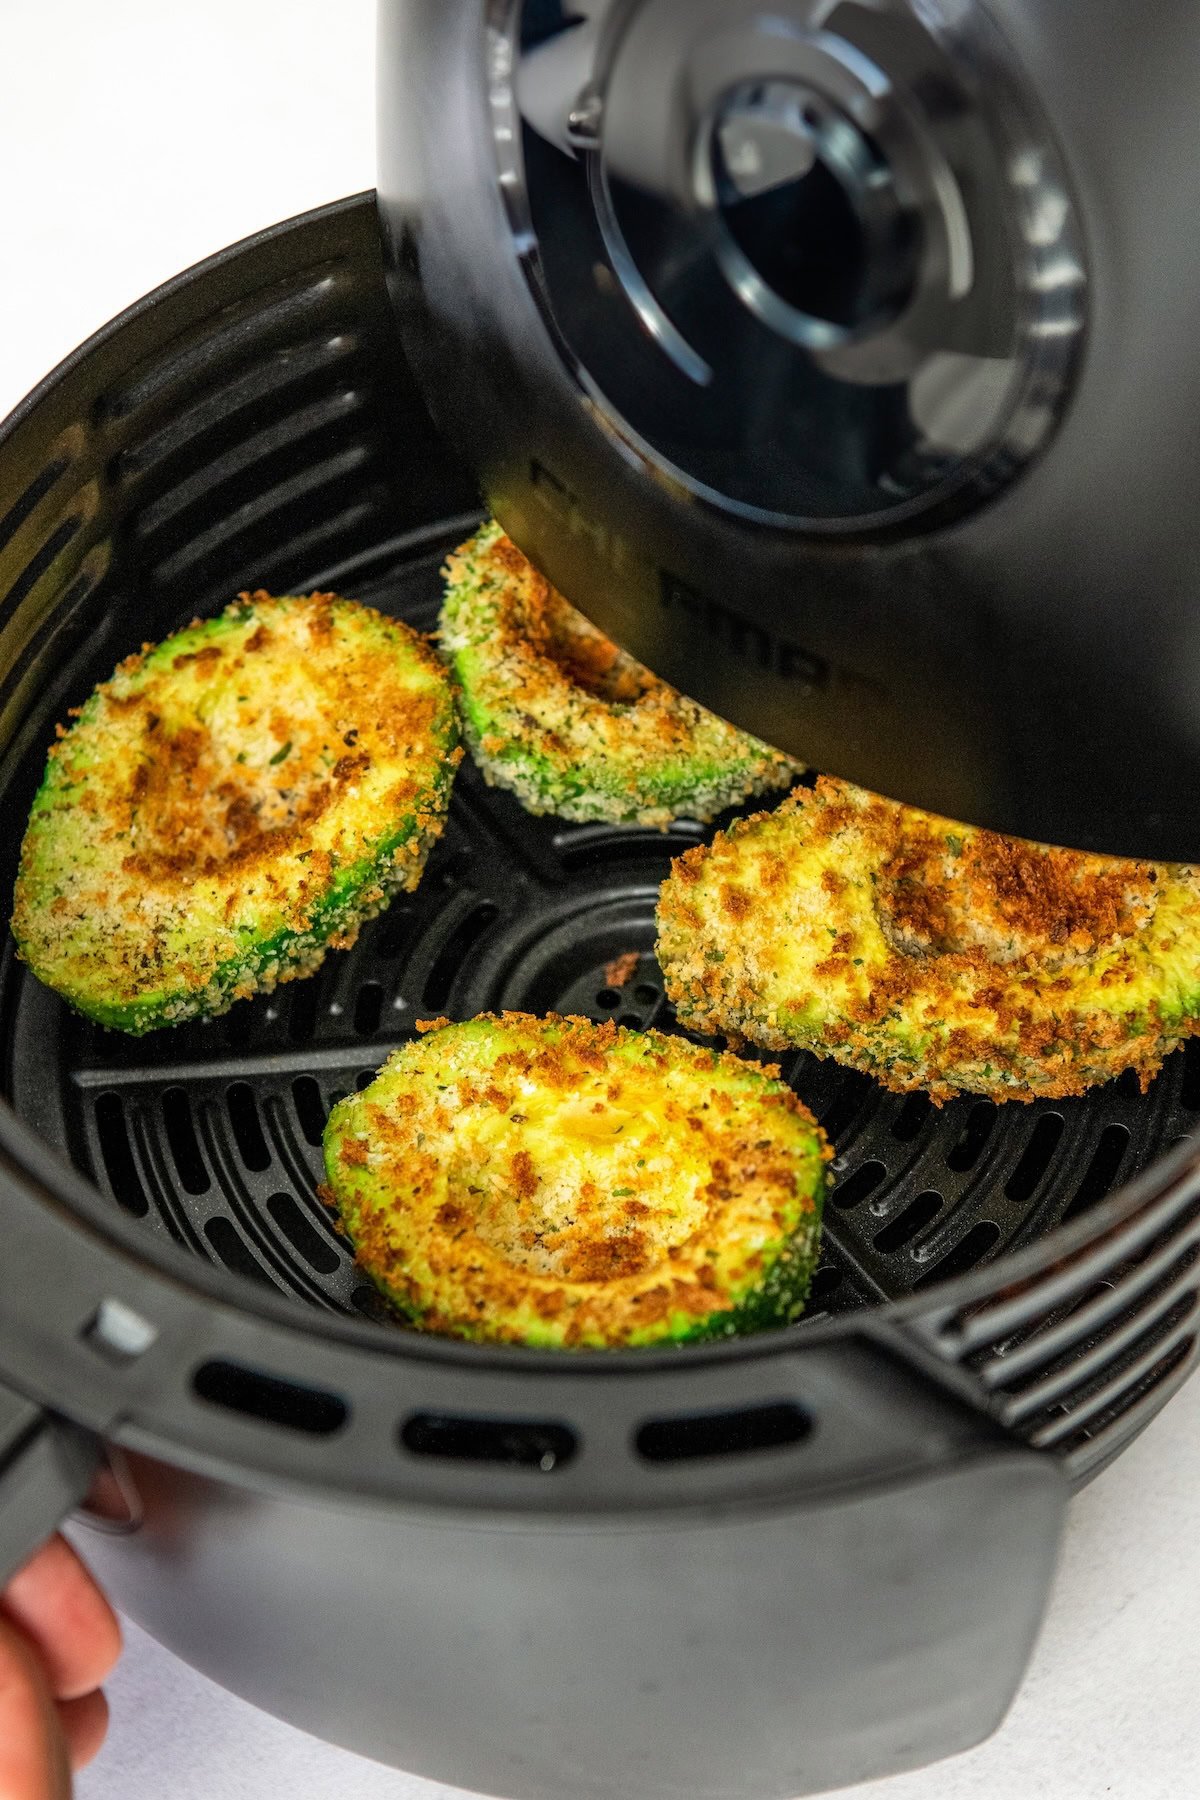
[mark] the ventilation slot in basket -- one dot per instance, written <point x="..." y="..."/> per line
<point x="303" y="1236"/>
<point x="514" y="1443"/>
<point x="37" y="566"/>
<point x="916" y="1215"/>
<point x="824" y="1285"/>
<point x="181" y="1136"/>
<point x="602" y="847"/>
<point x="910" y="1120"/>
<point x="247" y="1126"/>
<point x="855" y="1189"/>
<point x="395" y="933"/>
<point x="306" y="1096"/>
<point x="257" y="392"/>
<point x="247" y="461"/>
<point x="1025" y="1178"/>
<point x="453" y="953"/>
<point x="259" y="1396"/>
<point x="852" y="1090"/>
<point x="255" y="323"/>
<point x="973" y="1248"/>
<point x="25" y="503"/>
<point x="368" y="1008"/>
<point x="302" y="1014"/>
<point x="1189" y="1092"/>
<point x="691" y="1436"/>
<point x="978" y="1130"/>
<point x="1102" y="1170"/>
<point x="231" y="1248"/>
<point x="119" y="1166"/>
<point x="1083" y="1413"/>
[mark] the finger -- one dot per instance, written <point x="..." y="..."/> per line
<point x="33" y="1753"/>
<point x="84" y="1725"/>
<point x="63" y="1613"/>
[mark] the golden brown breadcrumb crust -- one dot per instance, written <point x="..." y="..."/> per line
<point x="931" y="954"/>
<point x="554" y="710"/>
<point x="477" y="1179"/>
<point x="218" y="791"/>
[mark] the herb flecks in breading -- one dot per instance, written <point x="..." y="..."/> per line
<point x="929" y="954"/>
<point x="230" y="804"/>
<point x="569" y="1185"/>
<point x="554" y="711"/>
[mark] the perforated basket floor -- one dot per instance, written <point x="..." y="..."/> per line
<point x="212" y="1132"/>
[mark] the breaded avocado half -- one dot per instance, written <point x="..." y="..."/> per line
<point x="558" y="1183"/>
<point x="573" y="726"/>
<point x="230" y="804"/>
<point x="931" y="955"/>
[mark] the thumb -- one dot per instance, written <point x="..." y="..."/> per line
<point x="33" y="1756"/>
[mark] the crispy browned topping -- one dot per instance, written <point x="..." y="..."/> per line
<point x="565" y="638"/>
<point x="598" y="1200"/>
<point x="197" y="805"/>
<point x="934" y="955"/>
<point x="603" y="731"/>
<point x="621" y="970"/>
<point x="524" y="1175"/>
<point x="248" y="764"/>
<point x="544" y="637"/>
<point x="1010" y="898"/>
<point x="608" y="1259"/>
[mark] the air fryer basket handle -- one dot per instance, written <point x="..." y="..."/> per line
<point x="46" y="1467"/>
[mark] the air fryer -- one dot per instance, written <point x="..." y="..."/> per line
<point x="759" y="1568"/>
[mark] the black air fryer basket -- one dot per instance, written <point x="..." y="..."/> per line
<point x="759" y="1568"/>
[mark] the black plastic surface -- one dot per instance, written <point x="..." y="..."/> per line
<point x="739" y="1653"/>
<point x="46" y="1465"/>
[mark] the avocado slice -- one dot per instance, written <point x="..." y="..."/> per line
<point x="931" y="955"/>
<point x="230" y="804"/>
<point x="558" y="1183"/>
<point x="552" y="710"/>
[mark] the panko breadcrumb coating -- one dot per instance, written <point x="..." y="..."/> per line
<point x="570" y="1185"/>
<point x="554" y="711"/>
<point x="931" y="955"/>
<point x="232" y="803"/>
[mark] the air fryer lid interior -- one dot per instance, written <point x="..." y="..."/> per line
<point x="830" y="357"/>
<point x="252" y="425"/>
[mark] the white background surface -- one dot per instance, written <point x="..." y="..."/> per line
<point x="137" y="136"/>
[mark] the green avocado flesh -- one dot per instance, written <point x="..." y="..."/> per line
<point x="229" y="805"/>
<point x="555" y="712"/>
<point x="561" y="1184"/>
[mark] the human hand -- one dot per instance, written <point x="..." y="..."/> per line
<point x="59" y="1638"/>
